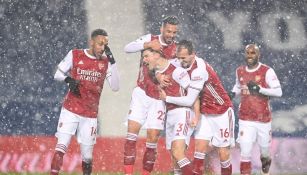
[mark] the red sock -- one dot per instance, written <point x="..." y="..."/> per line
<point x="226" y="167"/>
<point x="198" y="163"/>
<point x="185" y="166"/>
<point x="149" y="156"/>
<point x="245" y="167"/>
<point x="129" y="153"/>
<point x="187" y="169"/>
<point x="198" y="166"/>
<point x="226" y="171"/>
<point x="56" y="163"/>
<point x="128" y="169"/>
<point x="145" y="172"/>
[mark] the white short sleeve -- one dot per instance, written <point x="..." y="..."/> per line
<point x="66" y="64"/>
<point x="271" y="79"/>
<point x="137" y="45"/>
<point x="198" y="78"/>
<point x="182" y="77"/>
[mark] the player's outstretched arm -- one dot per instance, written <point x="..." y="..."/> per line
<point x="137" y="45"/>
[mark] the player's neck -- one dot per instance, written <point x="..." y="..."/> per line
<point x="90" y="52"/>
<point x="162" y="64"/>
<point x="251" y="67"/>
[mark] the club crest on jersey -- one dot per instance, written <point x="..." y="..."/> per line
<point x="100" y="65"/>
<point x="196" y="78"/>
<point x="182" y="74"/>
<point x="257" y="78"/>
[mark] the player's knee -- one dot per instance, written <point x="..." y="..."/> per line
<point x="224" y="153"/>
<point x="178" y="153"/>
<point x="152" y="135"/>
<point x="246" y="150"/>
<point x="63" y="142"/>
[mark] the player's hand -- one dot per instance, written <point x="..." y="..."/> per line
<point x="231" y="95"/>
<point x="155" y="45"/>
<point x="194" y="122"/>
<point x="73" y="85"/>
<point x="162" y="94"/>
<point x="109" y="54"/>
<point x="163" y="80"/>
<point x="253" y="87"/>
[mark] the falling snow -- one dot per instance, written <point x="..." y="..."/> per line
<point x="36" y="35"/>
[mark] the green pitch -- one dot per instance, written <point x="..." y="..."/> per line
<point x="113" y="174"/>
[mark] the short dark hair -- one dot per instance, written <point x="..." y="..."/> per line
<point x="173" y="20"/>
<point x="99" y="32"/>
<point x="152" y="50"/>
<point x="185" y="44"/>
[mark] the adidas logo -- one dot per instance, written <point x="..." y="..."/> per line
<point x="81" y="62"/>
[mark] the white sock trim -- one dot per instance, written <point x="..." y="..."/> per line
<point x="199" y="155"/>
<point x="183" y="162"/>
<point x="131" y="136"/>
<point x="226" y="163"/>
<point x="151" y="145"/>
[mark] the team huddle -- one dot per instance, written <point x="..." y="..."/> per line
<point x="177" y="92"/>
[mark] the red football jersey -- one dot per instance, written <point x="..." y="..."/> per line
<point x="144" y="80"/>
<point x="176" y="87"/>
<point x="253" y="107"/>
<point x="91" y="73"/>
<point x="214" y="98"/>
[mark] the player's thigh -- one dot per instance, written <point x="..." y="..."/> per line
<point x="156" y="115"/>
<point x="222" y="126"/>
<point x="247" y="131"/>
<point x="68" y="122"/>
<point x="169" y="127"/>
<point x="87" y="131"/>
<point x="203" y="130"/>
<point x="180" y="118"/>
<point x="264" y="134"/>
<point x="139" y="105"/>
<point x="224" y="153"/>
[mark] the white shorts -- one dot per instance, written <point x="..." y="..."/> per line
<point x="85" y="128"/>
<point x="218" y="129"/>
<point x="147" y="111"/>
<point x="177" y="125"/>
<point x="250" y="132"/>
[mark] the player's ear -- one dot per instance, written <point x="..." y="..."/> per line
<point x="91" y="42"/>
<point x="259" y="55"/>
<point x="193" y="54"/>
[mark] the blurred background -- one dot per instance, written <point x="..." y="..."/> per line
<point x="35" y="35"/>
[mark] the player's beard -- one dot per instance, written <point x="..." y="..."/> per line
<point x="185" y="65"/>
<point x="98" y="54"/>
<point x="168" y="40"/>
<point x="252" y="62"/>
